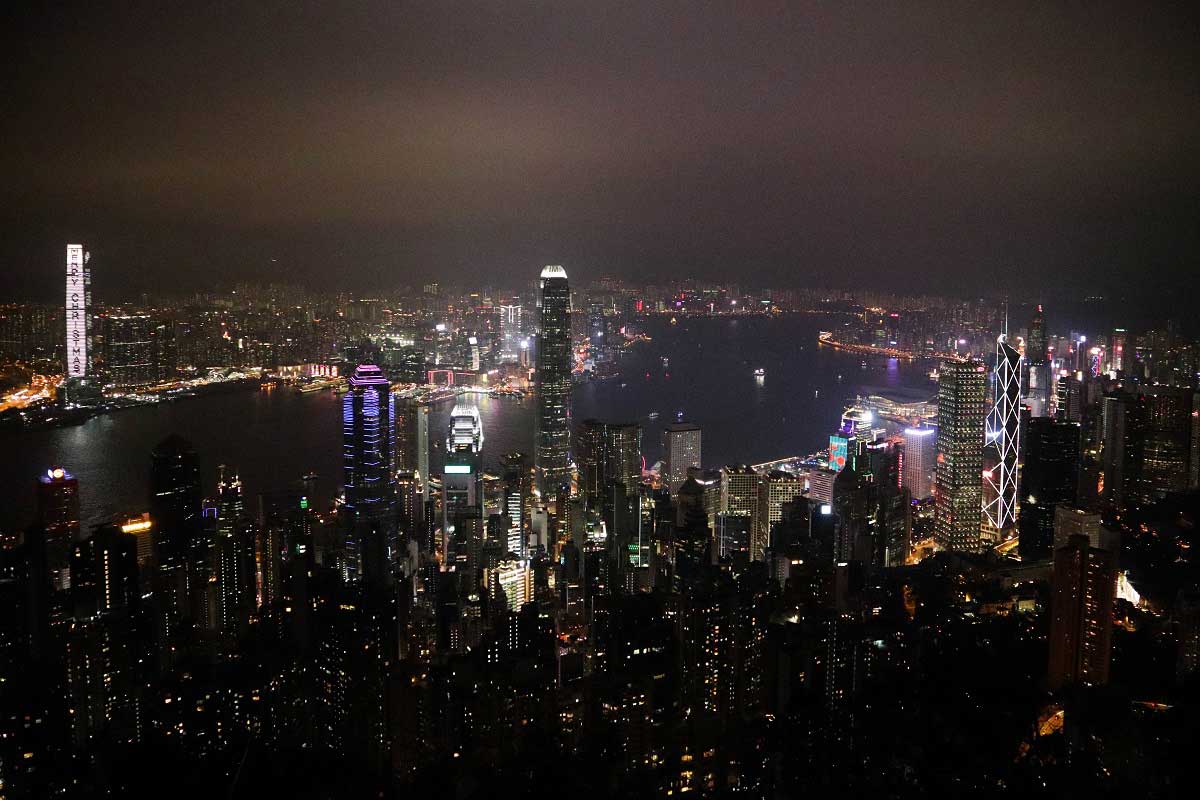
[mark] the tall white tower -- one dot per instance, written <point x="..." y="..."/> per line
<point x="1003" y="432"/>
<point x="78" y="311"/>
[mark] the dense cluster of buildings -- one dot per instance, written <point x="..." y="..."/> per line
<point x="575" y="619"/>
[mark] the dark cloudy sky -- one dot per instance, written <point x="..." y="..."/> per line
<point x="363" y="143"/>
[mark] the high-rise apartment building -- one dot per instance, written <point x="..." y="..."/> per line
<point x="1084" y="586"/>
<point x="958" y="509"/>
<point x="553" y="432"/>
<point x="129" y="352"/>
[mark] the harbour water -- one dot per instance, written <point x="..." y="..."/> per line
<point x="274" y="437"/>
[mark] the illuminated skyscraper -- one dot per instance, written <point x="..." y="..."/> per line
<point x="958" y="509"/>
<point x="553" y="432"/>
<point x="79" y="312"/>
<point x="1003" y="433"/>
<point x="369" y="452"/>
<point x="58" y="515"/>
<point x="462" y="489"/>
<point x="1120" y="340"/>
<point x="80" y="387"/>
<point x="510" y="332"/>
<point x="919" y="455"/>
<point x="681" y="451"/>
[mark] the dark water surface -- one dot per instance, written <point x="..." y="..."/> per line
<point x="274" y="437"/>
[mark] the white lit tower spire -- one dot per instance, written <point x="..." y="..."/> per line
<point x="1003" y="432"/>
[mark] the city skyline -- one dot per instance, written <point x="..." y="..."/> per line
<point x="762" y="401"/>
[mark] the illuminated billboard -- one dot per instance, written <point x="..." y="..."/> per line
<point x="77" y="312"/>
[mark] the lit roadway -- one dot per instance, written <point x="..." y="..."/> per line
<point x="40" y="389"/>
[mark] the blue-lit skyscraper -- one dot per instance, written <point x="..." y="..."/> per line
<point x="369" y="475"/>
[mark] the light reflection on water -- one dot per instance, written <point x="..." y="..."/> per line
<point x="274" y="437"/>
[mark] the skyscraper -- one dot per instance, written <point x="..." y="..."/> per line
<point x="1003" y="432"/>
<point x="919" y="455"/>
<point x="553" y="433"/>
<point x="1081" y="612"/>
<point x="1049" y="477"/>
<point x="368" y="445"/>
<point x="58" y="515"/>
<point x="608" y="451"/>
<point x="681" y="451"/>
<point x="958" y="509"/>
<point x="510" y="332"/>
<point x="462" y="492"/>
<point x="1037" y="368"/>
<point x="175" y="500"/>
<point x="79" y="301"/>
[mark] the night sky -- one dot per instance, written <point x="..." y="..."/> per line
<point x="371" y="144"/>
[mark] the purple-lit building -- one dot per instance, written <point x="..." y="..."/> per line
<point x="58" y="514"/>
<point x="369" y="470"/>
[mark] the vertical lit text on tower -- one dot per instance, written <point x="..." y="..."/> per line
<point x="77" y="344"/>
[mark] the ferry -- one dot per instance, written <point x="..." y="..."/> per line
<point x="760" y="372"/>
<point x="653" y="415"/>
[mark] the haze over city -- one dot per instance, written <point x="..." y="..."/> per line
<point x="921" y="146"/>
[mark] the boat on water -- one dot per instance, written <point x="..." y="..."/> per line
<point x="653" y="415"/>
<point x="760" y="372"/>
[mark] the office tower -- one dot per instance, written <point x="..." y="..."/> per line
<point x="462" y="490"/>
<point x="1049" y="477"/>
<point x="80" y="387"/>
<point x="1151" y="444"/>
<point x="78" y="306"/>
<point x="180" y="549"/>
<point x="608" y="452"/>
<point x="130" y="358"/>
<point x="368" y="446"/>
<point x="1035" y="346"/>
<point x="919" y="455"/>
<point x="516" y="492"/>
<point x="553" y="432"/>
<point x="776" y="488"/>
<point x="1084" y="586"/>
<point x="681" y="452"/>
<point x="510" y="332"/>
<point x="1003" y="433"/>
<point x="1068" y="398"/>
<point x="58" y="516"/>
<point x="513" y="577"/>
<point x="1117" y="345"/>
<point x="1037" y="367"/>
<point x="422" y="450"/>
<point x="839" y="452"/>
<point x="406" y="435"/>
<point x="820" y="485"/>
<point x="958" y="509"/>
